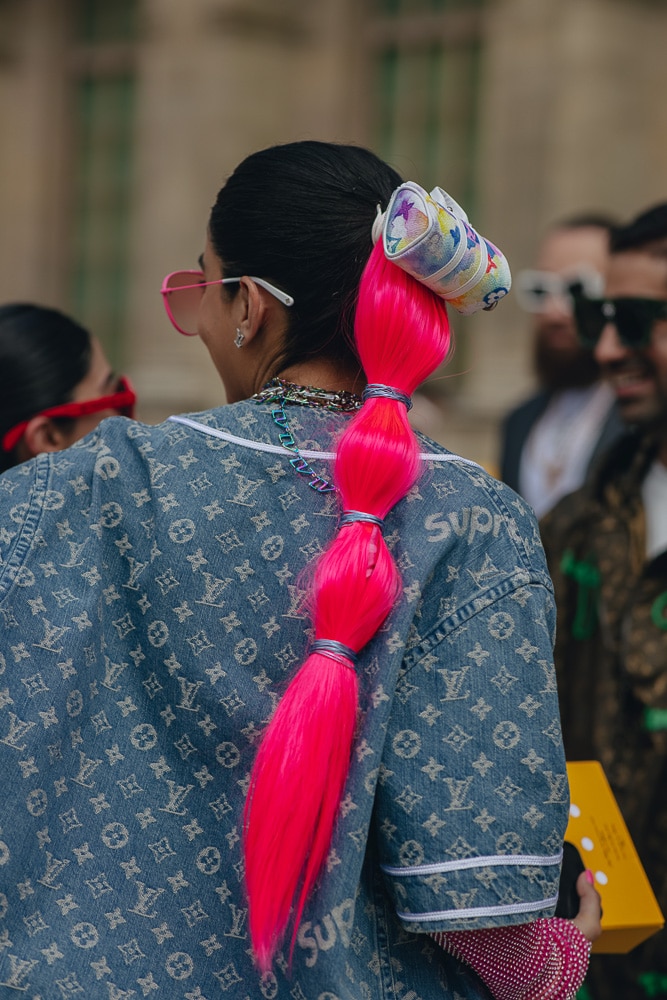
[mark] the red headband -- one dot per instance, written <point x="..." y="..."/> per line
<point x="123" y="400"/>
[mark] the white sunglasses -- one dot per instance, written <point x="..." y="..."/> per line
<point x="534" y="288"/>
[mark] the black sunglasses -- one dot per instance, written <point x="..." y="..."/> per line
<point x="633" y="318"/>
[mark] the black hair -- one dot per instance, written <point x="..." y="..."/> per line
<point x="650" y="226"/>
<point x="300" y="215"/>
<point x="587" y="220"/>
<point x="43" y="357"/>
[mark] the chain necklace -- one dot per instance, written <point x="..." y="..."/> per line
<point x="280" y="392"/>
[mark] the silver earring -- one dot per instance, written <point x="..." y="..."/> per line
<point x="239" y="338"/>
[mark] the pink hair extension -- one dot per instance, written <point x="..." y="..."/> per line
<point x="297" y="781"/>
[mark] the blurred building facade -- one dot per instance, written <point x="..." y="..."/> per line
<point x="120" y="119"/>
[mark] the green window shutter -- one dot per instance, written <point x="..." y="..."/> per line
<point x="103" y="106"/>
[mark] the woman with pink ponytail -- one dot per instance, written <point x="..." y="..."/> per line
<point x="335" y="769"/>
<point x="425" y="254"/>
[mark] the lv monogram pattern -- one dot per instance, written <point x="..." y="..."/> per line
<point x="152" y="610"/>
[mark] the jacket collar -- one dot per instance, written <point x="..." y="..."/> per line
<point x="618" y="475"/>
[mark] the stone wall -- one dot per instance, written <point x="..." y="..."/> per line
<point x="572" y="117"/>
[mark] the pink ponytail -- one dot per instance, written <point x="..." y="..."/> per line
<point x="402" y="335"/>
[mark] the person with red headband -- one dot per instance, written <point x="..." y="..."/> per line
<point x="56" y="384"/>
<point x="279" y="715"/>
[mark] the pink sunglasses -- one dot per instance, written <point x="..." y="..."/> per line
<point x="182" y="294"/>
<point x="123" y="400"/>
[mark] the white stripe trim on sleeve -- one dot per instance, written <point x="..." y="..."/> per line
<point x="480" y="911"/>
<point x="485" y="861"/>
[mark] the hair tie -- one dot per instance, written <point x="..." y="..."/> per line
<point x="376" y="389"/>
<point x="335" y="651"/>
<point x="429" y="237"/>
<point x="352" y="516"/>
<point x="378" y="223"/>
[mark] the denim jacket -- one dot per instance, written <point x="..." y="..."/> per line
<point x="151" y="601"/>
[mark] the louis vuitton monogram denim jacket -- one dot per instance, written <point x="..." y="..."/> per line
<point x="151" y="604"/>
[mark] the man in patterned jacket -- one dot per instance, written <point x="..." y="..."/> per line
<point x="607" y="550"/>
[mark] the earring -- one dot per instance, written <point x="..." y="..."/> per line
<point x="239" y="338"/>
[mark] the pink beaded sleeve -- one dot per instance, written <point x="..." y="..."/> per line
<point x="543" y="960"/>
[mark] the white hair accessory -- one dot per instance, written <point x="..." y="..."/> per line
<point x="429" y="236"/>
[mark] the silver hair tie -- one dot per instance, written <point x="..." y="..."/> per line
<point x="335" y="651"/>
<point x="352" y="516"/>
<point x="375" y="389"/>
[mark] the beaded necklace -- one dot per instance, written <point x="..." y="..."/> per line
<point x="279" y="391"/>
